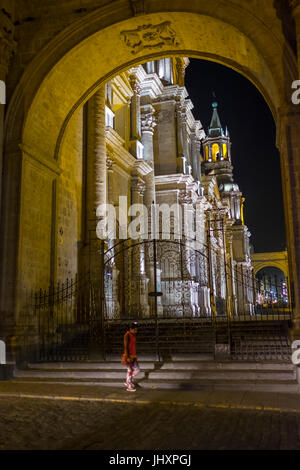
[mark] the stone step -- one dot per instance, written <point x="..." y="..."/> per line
<point x="222" y="375"/>
<point x="86" y="366"/>
<point x="194" y="362"/>
<point x="277" y="387"/>
<point x="71" y="374"/>
<point x="182" y="370"/>
<point x="205" y="365"/>
<point x="263" y="386"/>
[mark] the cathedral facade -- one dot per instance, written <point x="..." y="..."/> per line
<point x="158" y="156"/>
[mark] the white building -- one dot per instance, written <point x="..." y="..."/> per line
<point x="157" y="152"/>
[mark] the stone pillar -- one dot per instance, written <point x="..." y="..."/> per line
<point x="110" y="174"/>
<point x="7" y="48"/>
<point x="137" y="306"/>
<point x="232" y="301"/>
<point x="8" y="282"/>
<point x="148" y="123"/>
<point x="183" y="125"/>
<point x="288" y="142"/>
<point x="96" y="178"/>
<point x="187" y="263"/>
<point x="295" y="4"/>
<point x="135" y="118"/>
<point x="180" y="151"/>
<point x="111" y="272"/>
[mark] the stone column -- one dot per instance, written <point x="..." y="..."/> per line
<point x="110" y="174"/>
<point x="195" y="157"/>
<point x="9" y="288"/>
<point x="187" y="265"/>
<point x="232" y="301"/>
<point x="138" y="306"/>
<point x="180" y="151"/>
<point x="148" y="123"/>
<point x="183" y="125"/>
<point x="112" y="272"/>
<point x="96" y="177"/>
<point x="288" y="142"/>
<point x="295" y="4"/>
<point x="7" y="48"/>
<point x="135" y="118"/>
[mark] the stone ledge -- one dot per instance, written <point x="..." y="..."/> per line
<point x="7" y="371"/>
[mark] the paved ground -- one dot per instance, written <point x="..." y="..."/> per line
<point x="52" y="417"/>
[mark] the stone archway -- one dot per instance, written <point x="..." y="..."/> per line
<point x="275" y="259"/>
<point x="76" y="63"/>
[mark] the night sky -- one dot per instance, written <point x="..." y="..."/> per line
<point x="255" y="157"/>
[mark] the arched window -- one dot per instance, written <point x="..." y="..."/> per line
<point x="206" y="153"/>
<point x="215" y="152"/>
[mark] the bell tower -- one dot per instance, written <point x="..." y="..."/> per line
<point x="217" y="159"/>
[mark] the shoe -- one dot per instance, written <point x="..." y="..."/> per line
<point x="132" y="385"/>
<point x="131" y="389"/>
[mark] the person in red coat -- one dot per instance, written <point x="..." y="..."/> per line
<point x="129" y="358"/>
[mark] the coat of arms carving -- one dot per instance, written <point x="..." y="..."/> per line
<point x="148" y="36"/>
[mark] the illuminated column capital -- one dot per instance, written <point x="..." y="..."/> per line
<point x="135" y="85"/>
<point x="148" y="119"/>
<point x="181" y="65"/>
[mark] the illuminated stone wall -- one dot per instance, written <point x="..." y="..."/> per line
<point x="69" y="205"/>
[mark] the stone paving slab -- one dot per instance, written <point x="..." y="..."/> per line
<point x="285" y="402"/>
<point x="63" y="417"/>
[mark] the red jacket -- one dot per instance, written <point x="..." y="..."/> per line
<point x="130" y="345"/>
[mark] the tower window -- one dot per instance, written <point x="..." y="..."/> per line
<point x="215" y="152"/>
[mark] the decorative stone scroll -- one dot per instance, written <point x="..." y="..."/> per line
<point x="150" y="36"/>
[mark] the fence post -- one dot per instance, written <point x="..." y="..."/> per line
<point x="102" y="298"/>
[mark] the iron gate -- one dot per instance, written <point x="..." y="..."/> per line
<point x="167" y="286"/>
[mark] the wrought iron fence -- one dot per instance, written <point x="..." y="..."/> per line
<point x="58" y="322"/>
<point x="168" y="285"/>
